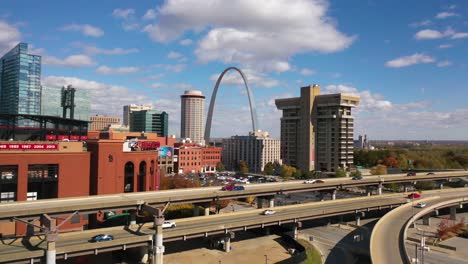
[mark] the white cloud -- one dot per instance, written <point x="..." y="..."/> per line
<point x="445" y="46"/>
<point x="121" y="70"/>
<point x="174" y="55"/>
<point x="86" y="29"/>
<point x="429" y="34"/>
<point x="444" y="63"/>
<point x="369" y="101"/>
<point x="186" y="42"/>
<point x="417" y="58"/>
<point x="73" y="61"/>
<point x="421" y="23"/>
<point x="150" y="14"/>
<point x="253" y="78"/>
<point x="91" y="50"/>
<point x="460" y="35"/>
<point x="9" y="36"/>
<point x="158" y="85"/>
<point x="265" y="42"/>
<point x="183" y="86"/>
<point x="105" y="98"/>
<point x="443" y="15"/>
<point x="123" y="13"/>
<point x="306" y="71"/>
<point x="172" y="68"/>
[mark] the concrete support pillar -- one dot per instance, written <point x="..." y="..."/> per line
<point x="267" y="230"/>
<point x="259" y="202"/>
<point x="406" y="188"/>
<point x="295" y="232"/>
<point x="453" y="213"/>
<point x="207" y="210"/>
<point x="436" y="212"/>
<point x="379" y="189"/>
<point x="51" y="253"/>
<point x="358" y="220"/>
<point x="196" y="210"/>
<point x="158" y="248"/>
<point x="227" y="244"/>
<point x="368" y="191"/>
<point x="441" y="185"/>
<point x="333" y="195"/>
<point x="271" y="202"/>
<point x="426" y="220"/>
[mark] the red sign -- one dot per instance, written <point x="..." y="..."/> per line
<point x="62" y="137"/>
<point x="146" y="145"/>
<point x="84" y="138"/>
<point x="74" y="138"/>
<point x="33" y="146"/>
<point x="51" y="137"/>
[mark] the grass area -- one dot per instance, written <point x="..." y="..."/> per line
<point x="312" y="254"/>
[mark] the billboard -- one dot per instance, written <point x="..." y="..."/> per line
<point x="31" y="146"/>
<point x="165" y="151"/>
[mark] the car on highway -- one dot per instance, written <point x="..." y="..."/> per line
<point x="269" y="212"/>
<point x="309" y="181"/>
<point x="430" y="173"/>
<point x="356" y="178"/>
<point x="421" y="205"/>
<point x="414" y="195"/>
<point x="319" y="181"/>
<point x="101" y="238"/>
<point x="169" y="224"/>
<point x="411" y="174"/>
<point x="228" y="187"/>
<point x="239" y="188"/>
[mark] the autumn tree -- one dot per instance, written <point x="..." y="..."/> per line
<point x="243" y="169"/>
<point x="177" y="182"/>
<point x="379" y="170"/>
<point x="390" y="162"/>
<point x="287" y="171"/>
<point x="220" y="204"/>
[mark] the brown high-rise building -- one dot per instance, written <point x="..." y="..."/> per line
<point x="191" y="119"/>
<point x="100" y="122"/>
<point x="317" y="130"/>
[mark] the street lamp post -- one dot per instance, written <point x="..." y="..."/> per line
<point x="266" y="259"/>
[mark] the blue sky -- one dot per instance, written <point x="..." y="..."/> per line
<point x="406" y="59"/>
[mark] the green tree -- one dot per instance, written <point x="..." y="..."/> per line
<point x="243" y="169"/>
<point x="340" y="173"/>
<point x="297" y="174"/>
<point x="268" y="169"/>
<point x="277" y="168"/>
<point x="307" y="174"/>
<point x="220" y="167"/>
<point x="355" y="173"/>
<point x="286" y="171"/>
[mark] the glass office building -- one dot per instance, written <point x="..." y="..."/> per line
<point x="150" y="121"/>
<point x="51" y="103"/>
<point x="20" y="83"/>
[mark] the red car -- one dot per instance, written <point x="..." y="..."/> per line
<point x="414" y="195"/>
<point x="228" y="187"/>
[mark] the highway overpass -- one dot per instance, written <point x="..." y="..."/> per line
<point x="76" y="243"/>
<point x="389" y="234"/>
<point x="92" y="204"/>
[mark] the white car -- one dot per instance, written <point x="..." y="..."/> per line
<point x="309" y="181"/>
<point x="269" y="212"/>
<point x="421" y="205"/>
<point x="168" y="224"/>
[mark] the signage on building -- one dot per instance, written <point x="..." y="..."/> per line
<point x="29" y="146"/>
<point x="165" y="152"/>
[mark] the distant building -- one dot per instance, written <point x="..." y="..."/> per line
<point x="191" y="120"/>
<point x="256" y="149"/>
<point x="128" y="109"/>
<point x="317" y="130"/>
<point x="150" y="121"/>
<point x="51" y="103"/>
<point x="195" y="158"/>
<point x="101" y="122"/>
<point x="362" y="143"/>
<point x="20" y="83"/>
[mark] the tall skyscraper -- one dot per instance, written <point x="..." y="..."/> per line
<point x="128" y="109"/>
<point x="51" y="102"/>
<point x="191" y="120"/>
<point x="20" y="82"/>
<point x="150" y="121"/>
<point x="317" y="130"/>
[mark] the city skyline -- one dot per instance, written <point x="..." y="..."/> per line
<point x="409" y="75"/>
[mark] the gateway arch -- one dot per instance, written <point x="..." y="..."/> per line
<point x="253" y="113"/>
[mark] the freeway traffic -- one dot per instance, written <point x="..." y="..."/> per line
<point x="92" y="204"/>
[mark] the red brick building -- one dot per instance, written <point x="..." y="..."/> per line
<point x="41" y="170"/>
<point x="194" y="158"/>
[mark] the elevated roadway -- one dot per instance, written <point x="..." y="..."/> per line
<point x="387" y="240"/>
<point x="92" y="204"/>
<point x="76" y="243"/>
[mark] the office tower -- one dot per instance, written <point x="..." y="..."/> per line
<point x="150" y="121"/>
<point x="20" y="87"/>
<point x="101" y="122"/>
<point x="317" y="130"/>
<point x="128" y="109"/>
<point x="51" y="103"/>
<point x="191" y="120"/>
<point x="256" y="149"/>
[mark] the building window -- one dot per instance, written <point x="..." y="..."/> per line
<point x="129" y="175"/>
<point x="8" y="183"/>
<point x="43" y="181"/>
